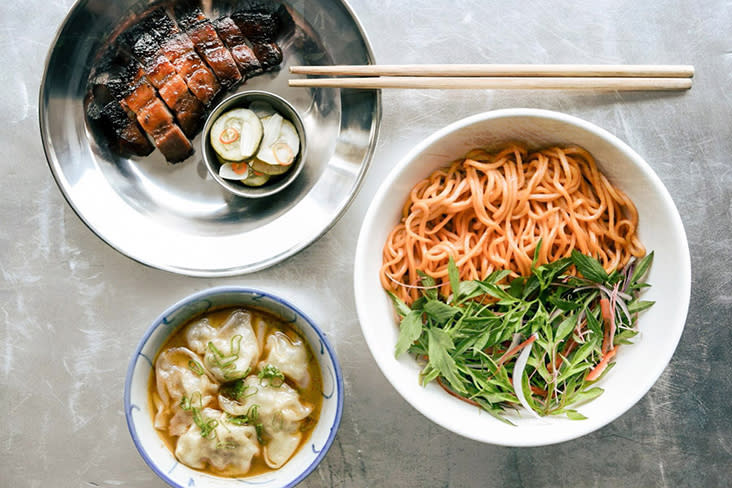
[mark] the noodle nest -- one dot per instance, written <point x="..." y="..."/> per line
<point x="490" y="211"/>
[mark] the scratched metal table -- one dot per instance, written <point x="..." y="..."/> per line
<point x="72" y="309"/>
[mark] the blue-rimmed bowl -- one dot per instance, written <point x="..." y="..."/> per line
<point x="140" y="418"/>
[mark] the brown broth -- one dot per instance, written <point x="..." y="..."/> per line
<point x="312" y="395"/>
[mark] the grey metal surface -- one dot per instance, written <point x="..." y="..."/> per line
<point x="72" y="309"/>
<point x="176" y="217"/>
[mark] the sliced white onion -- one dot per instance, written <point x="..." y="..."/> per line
<point x="262" y="109"/>
<point x="283" y="150"/>
<point x="271" y="126"/>
<point x="518" y="373"/>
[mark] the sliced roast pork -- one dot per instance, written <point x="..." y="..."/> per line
<point x="129" y="136"/>
<point x="177" y="48"/>
<point x="160" y="75"/>
<point x="201" y="80"/>
<point x="232" y="37"/>
<point x="124" y="134"/>
<point x="261" y="25"/>
<point x="207" y="43"/>
<point x="142" y="44"/>
<point x="136" y="94"/>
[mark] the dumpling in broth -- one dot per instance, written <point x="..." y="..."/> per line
<point x="280" y="412"/>
<point x="230" y="351"/>
<point x="290" y="357"/>
<point x="235" y="392"/>
<point x="179" y="374"/>
<point x="227" y="448"/>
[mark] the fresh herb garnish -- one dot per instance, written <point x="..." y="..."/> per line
<point x="569" y="326"/>
<point x="227" y="363"/>
<point x="196" y="367"/>
<point x="194" y="405"/>
<point x="250" y="418"/>
<point x="238" y="390"/>
<point x="273" y="374"/>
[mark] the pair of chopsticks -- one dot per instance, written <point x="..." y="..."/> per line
<point x="500" y="76"/>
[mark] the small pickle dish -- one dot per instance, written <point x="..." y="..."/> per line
<point x="254" y="144"/>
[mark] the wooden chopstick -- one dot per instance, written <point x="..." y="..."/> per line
<point x="499" y="83"/>
<point x="507" y="70"/>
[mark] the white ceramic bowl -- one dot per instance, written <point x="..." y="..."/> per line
<point x="139" y="416"/>
<point x="660" y="229"/>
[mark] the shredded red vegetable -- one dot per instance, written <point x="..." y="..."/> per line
<point x="597" y="370"/>
<point x="516" y="349"/>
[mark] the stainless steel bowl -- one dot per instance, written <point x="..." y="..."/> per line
<point x="173" y="217"/>
<point x="243" y="100"/>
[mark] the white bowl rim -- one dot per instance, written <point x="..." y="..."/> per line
<point x="219" y="290"/>
<point x="684" y="270"/>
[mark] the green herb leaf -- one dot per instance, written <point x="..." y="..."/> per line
<point x="639" y="305"/>
<point x="466" y="340"/>
<point x="537" y="249"/>
<point x="428" y="282"/>
<point x="587" y="395"/>
<point x="642" y="267"/>
<point x="574" y="415"/>
<point x="440" y="311"/>
<point x="409" y="331"/>
<point x="469" y="289"/>
<point x="589" y="267"/>
<point x="401" y="307"/>
<point x="439" y="345"/>
<point x="565" y="328"/>
<point x="454" y="275"/>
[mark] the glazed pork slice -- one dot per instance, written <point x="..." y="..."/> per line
<point x="232" y="37"/>
<point x="207" y="43"/>
<point x="137" y="95"/>
<point x="175" y="46"/>
<point x="129" y="137"/>
<point x="200" y="79"/>
<point x="119" y="126"/>
<point x="161" y="73"/>
<point x="141" y="42"/>
<point x="258" y="21"/>
<point x="261" y="25"/>
<point x="269" y="54"/>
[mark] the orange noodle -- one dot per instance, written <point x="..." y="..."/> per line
<point x="489" y="212"/>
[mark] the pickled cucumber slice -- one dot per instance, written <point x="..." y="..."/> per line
<point x="236" y="134"/>
<point x="255" y="179"/>
<point x="269" y="169"/>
